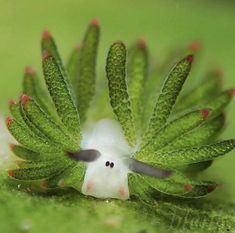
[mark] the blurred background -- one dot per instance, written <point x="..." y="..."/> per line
<point x="163" y="23"/>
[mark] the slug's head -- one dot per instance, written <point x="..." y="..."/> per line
<point x="109" y="162"/>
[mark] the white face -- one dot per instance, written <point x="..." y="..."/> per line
<point x="107" y="177"/>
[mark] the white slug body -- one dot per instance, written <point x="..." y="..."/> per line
<point x="107" y="177"/>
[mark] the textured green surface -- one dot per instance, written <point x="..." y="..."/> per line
<point x="163" y="24"/>
<point x="137" y="70"/>
<point x="171" y="131"/>
<point x="192" y="154"/>
<point x="118" y="92"/>
<point x="168" y="95"/>
<point x="61" y="95"/>
<point x="86" y="80"/>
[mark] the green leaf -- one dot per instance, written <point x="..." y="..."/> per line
<point x="210" y="86"/>
<point x="25" y="153"/>
<point x="168" y="96"/>
<point x="61" y="96"/>
<point x="179" y="185"/>
<point x="49" y="46"/>
<point x="29" y="139"/>
<point x="190" y="155"/>
<point x="137" y="74"/>
<point x="19" y="115"/>
<point x="220" y="102"/>
<point x="119" y="97"/>
<point x="71" y="176"/>
<point x="32" y="87"/>
<point x="201" y="135"/>
<point x="46" y="125"/>
<point x="41" y="171"/>
<point x="73" y="67"/>
<point x="86" y="79"/>
<point x="171" y="131"/>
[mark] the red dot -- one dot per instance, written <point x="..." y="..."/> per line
<point x="95" y="22"/>
<point x="29" y="70"/>
<point x="231" y="92"/>
<point x="12" y="102"/>
<point x="8" y="120"/>
<point x="46" y="35"/>
<point x="195" y="46"/>
<point x="188" y="187"/>
<point x="189" y="58"/>
<point x="211" y="188"/>
<point x="11" y="173"/>
<point x="43" y="184"/>
<point x="141" y="43"/>
<point x="12" y="146"/>
<point x="205" y="113"/>
<point x="25" y="99"/>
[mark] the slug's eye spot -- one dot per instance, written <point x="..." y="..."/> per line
<point x="107" y="163"/>
<point x="112" y="165"/>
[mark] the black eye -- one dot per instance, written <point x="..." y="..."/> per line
<point x="107" y="164"/>
<point x="112" y="165"/>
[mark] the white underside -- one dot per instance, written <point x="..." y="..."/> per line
<point x="101" y="181"/>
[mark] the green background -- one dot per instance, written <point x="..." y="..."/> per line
<point x="164" y="25"/>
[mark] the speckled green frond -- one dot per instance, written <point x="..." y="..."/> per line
<point x="24" y="153"/>
<point x="209" y="87"/>
<point x="153" y="85"/>
<point x="32" y="87"/>
<point x="86" y="74"/>
<point x="47" y="126"/>
<point x="38" y="170"/>
<point x="15" y="110"/>
<point x="220" y="102"/>
<point x="73" y="66"/>
<point x="29" y="139"/>
<point x="71" y="175"/>
<point x="189" y="155"/>
<point x="168" y="96"/>
<point x="49" y="46"/>
<point x="61" y="96"/>
<point x="19" y="115"/>
<point x="118" y="93"/>
<point x="179" y="185"/>
<point x="137" y="74"/>
<point x="171" y="131"/>
<point x="204" y="134"/>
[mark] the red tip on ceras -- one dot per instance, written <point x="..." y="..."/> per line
<point x="195" y="46"/>
<point x="189" y="58"/>
<point x="231" y="92"/>
<point x="141" y="43"/>
<point x="12" y="146"/>
<point x="95" y="22"/>
<point x="188" y="187"/>
<point x="211" y="188"/>
<point x="29" y="70"/>
<point x="11" y="173"/>
<point x="46" y="35"/>
<point x="43" y="184"/>
<point x="8" y="120"/>
<point x="11" y="102"/>
<point x="205" y="113"/>
<point x="24" y="99"/>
